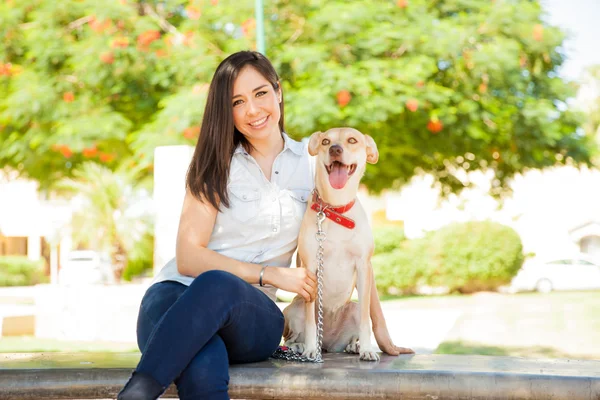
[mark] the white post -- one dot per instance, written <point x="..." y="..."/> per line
<point x="170" y="167"/>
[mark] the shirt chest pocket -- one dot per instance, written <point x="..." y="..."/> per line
<point x="244" y="203"/>
<point x="299" y="199"/>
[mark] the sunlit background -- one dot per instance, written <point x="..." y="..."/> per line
<point x="485" y="203"/>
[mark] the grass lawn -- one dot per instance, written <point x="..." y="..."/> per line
<point x="554" y="325"/>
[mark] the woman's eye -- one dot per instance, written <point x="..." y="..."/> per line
<point x="325" y="142"/>
<point x="259" y="94"/>
<point x="352" y="140"/>
<point x="235" y="103"/>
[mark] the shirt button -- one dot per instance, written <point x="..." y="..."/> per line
<point x="276" y="172"/>
<point x="274" y="229"/>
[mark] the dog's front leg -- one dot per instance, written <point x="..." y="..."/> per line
<point x="310" y="324"/>
<point x="363" y="284"/>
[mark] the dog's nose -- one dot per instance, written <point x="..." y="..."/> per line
<point x="336" y="150"/>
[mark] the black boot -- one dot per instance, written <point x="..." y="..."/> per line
<point x="141" y="387"/>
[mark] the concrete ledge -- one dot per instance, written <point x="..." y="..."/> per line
<point x="101" y="376"/>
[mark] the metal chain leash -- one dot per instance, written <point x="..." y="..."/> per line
<point x="285" y="353"/>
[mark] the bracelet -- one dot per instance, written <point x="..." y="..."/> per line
<point x="260" y="278"/>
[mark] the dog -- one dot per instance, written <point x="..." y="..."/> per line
<point x="341" y="158"/>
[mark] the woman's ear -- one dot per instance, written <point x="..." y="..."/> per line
<point x="313" y="143"/>
<point x="372" y="152"/>
<point x="279" y="96"/>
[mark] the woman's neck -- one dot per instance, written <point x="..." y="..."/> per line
<point x="268" y="148"/>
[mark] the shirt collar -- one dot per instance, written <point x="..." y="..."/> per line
<point x="288" y="144"/>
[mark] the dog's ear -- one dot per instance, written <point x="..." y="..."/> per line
<point x="313" y="144"/>
<point x="372" y="152"/>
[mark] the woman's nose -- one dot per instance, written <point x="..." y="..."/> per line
<point x="252" y="108"/>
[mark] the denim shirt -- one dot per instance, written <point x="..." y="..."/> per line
<point x="263" y="220"/>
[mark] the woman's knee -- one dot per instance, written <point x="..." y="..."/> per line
<point x="156" y="301"/>
<point x="217" y="284"/>
<point x="207" y="375"/>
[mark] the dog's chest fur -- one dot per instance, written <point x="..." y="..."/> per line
<point x="345" y="250"/>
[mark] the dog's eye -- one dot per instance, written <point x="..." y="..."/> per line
<point x="352" y="140"/>
<point x="325" y="142"/>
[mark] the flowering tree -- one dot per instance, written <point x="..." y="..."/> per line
<point x="442" y="85"/>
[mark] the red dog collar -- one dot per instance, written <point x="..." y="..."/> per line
<point x="333" y="213"/>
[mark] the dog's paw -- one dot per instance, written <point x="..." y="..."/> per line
<point x="353" y="347"/>
<point x="369" y="355"/>
<point x="310" y="352"/>
<point x="296" y="347"/>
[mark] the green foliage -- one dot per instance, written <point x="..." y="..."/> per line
<point x="141" y="258"/>
<point x="442" y="86"/>
<point x="387" y="238"/>
<point x="21" y="271"/>
<point x="114" y="217"/>
<point x="465" y="257"/>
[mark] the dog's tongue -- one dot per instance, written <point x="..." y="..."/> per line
<point x="338" y="176"/>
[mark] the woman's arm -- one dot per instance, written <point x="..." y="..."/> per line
<point x="193" y="257"/>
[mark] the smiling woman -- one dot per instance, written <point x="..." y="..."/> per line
<point x="247" y="184"/>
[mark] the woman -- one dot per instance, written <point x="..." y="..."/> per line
<point x="246" y="192"/>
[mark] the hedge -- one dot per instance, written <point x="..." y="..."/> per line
<point x="464" y="257"/>
<point x="21" y="271"/>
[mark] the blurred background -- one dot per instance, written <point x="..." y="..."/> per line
<point x="485" y="202"/>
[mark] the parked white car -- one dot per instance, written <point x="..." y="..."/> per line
<point x="86" y="267"/>
<point x="569" y="273"/>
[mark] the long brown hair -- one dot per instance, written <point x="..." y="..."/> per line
<point x="209" y="169"/>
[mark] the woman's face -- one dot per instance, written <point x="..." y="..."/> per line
<point x="255" y="104"/>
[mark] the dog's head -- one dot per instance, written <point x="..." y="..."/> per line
<point x="342" y="154"/>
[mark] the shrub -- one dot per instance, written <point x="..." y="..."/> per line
<point x="473" y="256"/>
<point x="402" y="269"/>
<point x="140" y="258"/>
<point x="21" y="271"/>
<point x="463" y="257"/>
<point x="388" y="238"/>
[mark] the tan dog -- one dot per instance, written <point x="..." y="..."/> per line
<point x="342" y="154"/>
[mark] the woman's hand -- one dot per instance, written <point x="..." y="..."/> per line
<point x="296" y="280"/>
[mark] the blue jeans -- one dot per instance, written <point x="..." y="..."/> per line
<point x="190" y="335"/>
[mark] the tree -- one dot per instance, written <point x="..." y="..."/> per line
<point x="442" y="86"/>
<point x="592" y="108"/>
<point x="111" y="217"/>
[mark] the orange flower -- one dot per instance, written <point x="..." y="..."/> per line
<point x="66" y="151"/>
<point x="6" y="69"/>
<point x="435" y="125"/>
<point x="402" y="3"/>
<point x="90" y="152"/>
<point x="146" y="38"/>
<point x="189" y="39"/>
<point x="120" y="42"/>
<point x="191" y="132"/>
<point x="98" y="26"/>
<point x="107" y="57"/>
<point x="343" y="98"/>
<point x="248" y="25"/>
<point x="482" y="88"/>
<point x="68" y="97"/>
<point x="105" y="157"/>
<point x="412" y="105"/>
<point x="538" y="32"/>
<point x="193" y="12"/>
